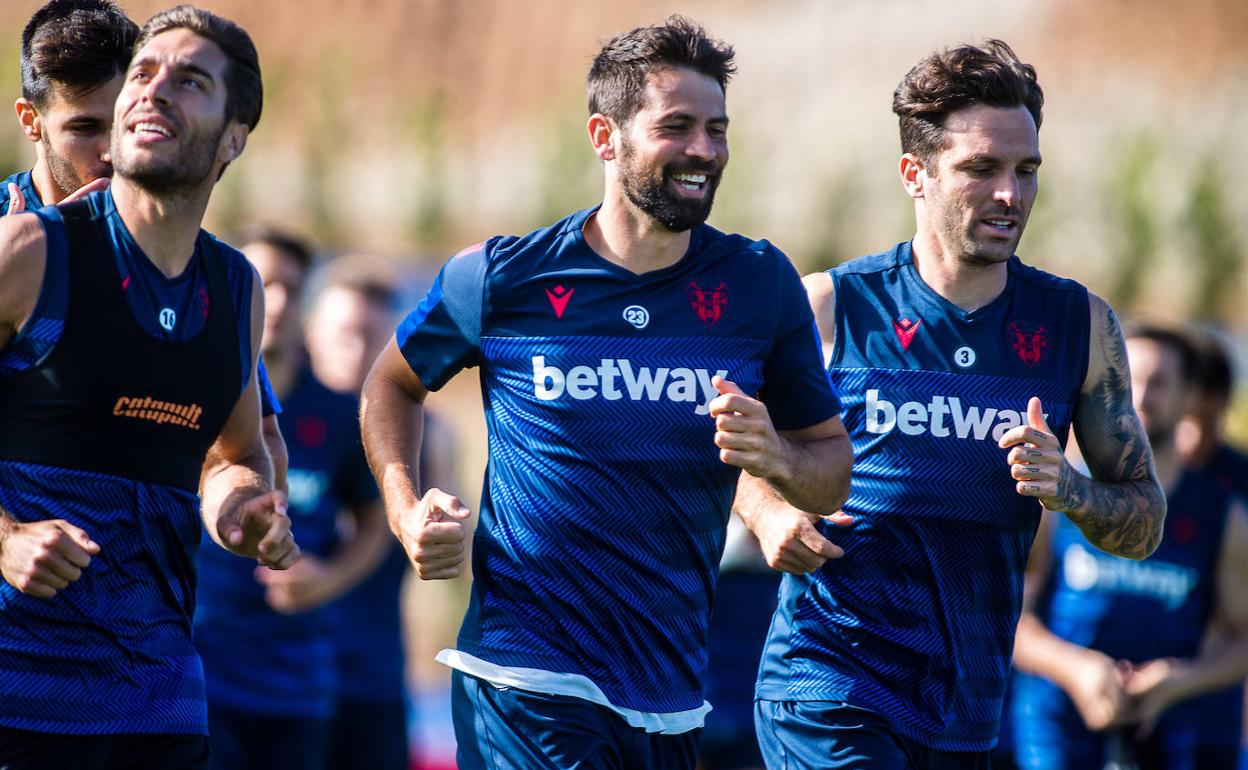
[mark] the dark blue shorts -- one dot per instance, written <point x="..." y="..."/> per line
<point x="830" y="735"/>
<point x="245" y="741"/>
<point x="25" y="750"/>
<point x="368" y="735"/>
<point x="512" y="729"/>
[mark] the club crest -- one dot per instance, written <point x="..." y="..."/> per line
<point x="709" y="305"/>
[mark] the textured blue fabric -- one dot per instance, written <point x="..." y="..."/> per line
<point x="1099" y="601"/>
<point x="257" y="659"/>
<point x="602" y="519"/>
<point x="916" y="622"/>
<point x="509" y="729"/>
<point x="26" y="184"/>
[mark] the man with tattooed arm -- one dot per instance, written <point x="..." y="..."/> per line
<point x="961" y="371"/>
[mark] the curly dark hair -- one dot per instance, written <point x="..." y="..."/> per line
<point x="75" y="45"/>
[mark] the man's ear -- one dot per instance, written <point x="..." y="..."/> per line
<point x="603" y="135"/>
<point x="913" y="174"/>
<point x="28" y="118"/>
<point x="233" y="141"/>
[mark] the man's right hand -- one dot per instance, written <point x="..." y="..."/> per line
<point x="791" y="542"/>
<point x="433" y="535"/>
<point x="40" y="558"/>
<point x="17" y="203"/>
<point x="1096" y="685"/>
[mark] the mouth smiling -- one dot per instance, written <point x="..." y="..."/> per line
<point x="151" y="129"/>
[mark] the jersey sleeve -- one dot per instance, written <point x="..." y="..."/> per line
<point x="269" y="405"/>
<point x="796" y="387"/>
<point x="443" y="334"/>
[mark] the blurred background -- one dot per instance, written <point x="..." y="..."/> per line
<point x="411" y="128"/>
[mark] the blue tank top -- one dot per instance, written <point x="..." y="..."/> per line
<point x="1100" y="601"/>
<point x="112" y="652"/>
<point x="916" y="622"/>
<point x="257" y="659"/>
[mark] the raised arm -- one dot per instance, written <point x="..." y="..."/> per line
<point x="1121" y="508"/>
<point x="242" y="511"/>
<point x="430" y="527"/>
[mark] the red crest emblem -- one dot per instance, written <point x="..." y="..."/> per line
<point x="1029" y="341"/>
<point x="709" y="305"/>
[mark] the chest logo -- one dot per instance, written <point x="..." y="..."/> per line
<point x="559" y="297"/>
<point x="167" y="319"/>
<point x="637" y="316"/>
<point x="1030" y="342"/>
<point x="905" y="329"/>
<point x="709" y="305"/>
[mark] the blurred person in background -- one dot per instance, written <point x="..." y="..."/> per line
<point x="74" y="54"/>
<point x="1202" y="443"/>
<point x="128" y="347"/>
<point x="962" y="370"/>
<point x="621" y="352"/>
<point x="1113" y="651"/>
<point x="268" y="638"/>
<point x="351" y="319"/>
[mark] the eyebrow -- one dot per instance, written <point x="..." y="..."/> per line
<point x="1033" y="160"/>
<point x="692" y="118"/>
<point x="186" y="66"/>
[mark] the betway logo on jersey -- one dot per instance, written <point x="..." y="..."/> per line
<point x="942" y="417"/>
<point x="616" y="378"/>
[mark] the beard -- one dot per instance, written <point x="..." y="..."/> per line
<point x="186" y="169"/>
<point x="650" y="192"/>
<point x="64" y="174"/>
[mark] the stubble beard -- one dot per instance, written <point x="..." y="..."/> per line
<point x="650" y="193"/>
<point x="186" y="171"/>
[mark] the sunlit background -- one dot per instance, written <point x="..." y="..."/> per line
<point x="410" y="128"/>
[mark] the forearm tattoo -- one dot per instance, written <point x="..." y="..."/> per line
<point x="1121" y="508"/>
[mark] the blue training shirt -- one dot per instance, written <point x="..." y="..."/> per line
<point x="605" y="502"/>
<point x="257" y="659"/>
<point x="916" y="622"/>
<point x="1099" y="601"/>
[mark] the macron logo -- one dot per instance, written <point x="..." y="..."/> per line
<point x="914" y="418"/>
<point x="638" y="383"/>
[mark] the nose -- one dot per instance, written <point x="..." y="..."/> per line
<point x="156" y="90"/>
<point x="1007" y="190"/>
<point x="702" y="145"/>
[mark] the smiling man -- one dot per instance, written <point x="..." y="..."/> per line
<point x="128" y="341"/>
<point x="962" y="371"/>
<point x="622" y="351"/>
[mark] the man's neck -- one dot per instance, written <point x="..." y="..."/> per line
<point x="966" y="285"/>
<point x="619" y="232"/>
<point x="41" y="177"/>
<point x="282" y="365"/>
<point x="165" y="227"/>
<point x="1168" y="463"/>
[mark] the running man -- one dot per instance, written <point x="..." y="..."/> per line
<point x="622" y="351"/>
<point x="74" y="56"/>
<point x="962" y="370"/>
<point x="129" y="340"/>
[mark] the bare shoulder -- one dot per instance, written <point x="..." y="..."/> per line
<point x="821" y="292"/>
<point x="23" y="254"/>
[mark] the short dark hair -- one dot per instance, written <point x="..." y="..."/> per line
<point x="1215" y="374"/>
<point x="370" y="277"/>
<point x="244" y="90"/>
<point x="1173" y="337"/>
<point x="284" y="241"/>
<point x="76" y="45"/>
<point x="949" y="80"/>
<point x="617" y="79"/>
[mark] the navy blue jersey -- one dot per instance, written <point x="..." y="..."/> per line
<point x="257" y="659"/>
<point x="917" y="621"/>
<point x="605" y="503"/>
<point x="112" y="652"/>
<point x="45" y="332"/>
<point x="1220" y="716"/>
<point x="26" y="183"/>
<point x="1099" y="601"/>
